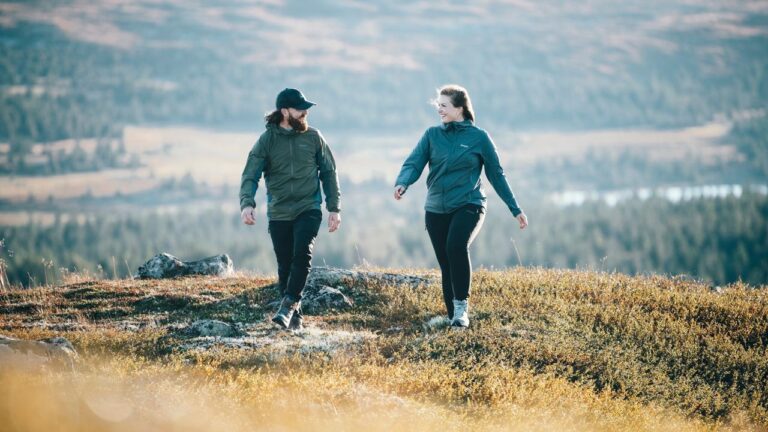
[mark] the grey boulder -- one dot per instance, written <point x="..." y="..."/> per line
<point x="165" y="265"/>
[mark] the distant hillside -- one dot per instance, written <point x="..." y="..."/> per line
<point x="80" y="68"/>
<point x="547" y="350"/>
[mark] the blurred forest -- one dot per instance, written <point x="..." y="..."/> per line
<point x="75" y="74"/>
<point x="718" y="240"/>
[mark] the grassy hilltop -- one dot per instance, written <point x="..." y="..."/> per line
<point x="547" y="350"/>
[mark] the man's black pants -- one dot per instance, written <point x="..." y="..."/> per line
<point x="451" y="234"/>
<point x="293" y="242"/>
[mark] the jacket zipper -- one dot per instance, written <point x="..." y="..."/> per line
<point x="291" y="150"/>
<point x="452" y="139"/>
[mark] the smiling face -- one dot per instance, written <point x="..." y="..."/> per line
<point x="447" y="111"/>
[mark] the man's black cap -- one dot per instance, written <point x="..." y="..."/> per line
<point x="292" y="98"/>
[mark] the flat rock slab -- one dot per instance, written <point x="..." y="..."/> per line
<point x="335" y="277"/>
<point x="211" y="328"/>
<point x="35" y="355"/>
<point x="280" y="342"/>
<point x="329" y="288"/>
<point x="321" y="299"/>
<point x="164" y="265"/>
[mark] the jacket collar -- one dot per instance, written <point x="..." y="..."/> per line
<point x="280" y="131"/>
<point x="456" y="126"/>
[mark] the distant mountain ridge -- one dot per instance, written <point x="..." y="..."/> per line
<point x="80" y="68"/>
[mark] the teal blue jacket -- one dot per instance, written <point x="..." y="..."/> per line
<point x="456" y="153"/>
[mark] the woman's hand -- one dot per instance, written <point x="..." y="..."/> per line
<point x="248" y="216"/>
<point x="523" y="219"/>
<point x="399" y="191"/>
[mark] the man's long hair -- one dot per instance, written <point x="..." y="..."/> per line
<point x="275" y="117"/>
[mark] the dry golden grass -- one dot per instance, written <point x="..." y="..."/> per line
<point x="702" y="142"/>
<point x="66" y="186"/>
<point x="548" y="350"/>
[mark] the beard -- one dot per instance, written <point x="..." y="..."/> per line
<point x="298" y="124"/>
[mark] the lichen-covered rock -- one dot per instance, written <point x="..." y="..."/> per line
<point x="211" y="328"/>
<point x="161" y="266"/>
<point x="165" y="265"/>
<point x="330" y="288"/>
<point x="218" y="265"/>
<point x="334" y="277"/>
<point x="33" y="355"/>
<point x="317" y="299"/>
<point x="265" y="334"/>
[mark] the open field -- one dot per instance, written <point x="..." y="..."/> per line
<point x="548" y="350"/>
<point x="217" y="158"/>
<point x="700" y="142"/>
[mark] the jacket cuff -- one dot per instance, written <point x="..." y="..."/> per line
<point x="516" y="211"/>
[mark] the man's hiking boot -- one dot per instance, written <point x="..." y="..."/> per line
<point x="286" y="312"/>
<point x="297" y="320"/>
<point x="460" y="313"/>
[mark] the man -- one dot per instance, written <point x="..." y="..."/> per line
<point x="294" y="159"/>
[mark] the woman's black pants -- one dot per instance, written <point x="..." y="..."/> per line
<point x="451" y="234"/>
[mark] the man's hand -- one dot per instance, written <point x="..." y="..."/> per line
<point x="248" y="216"/>
<point x="334" y="221"/>
<point x="523" y="219"/>
<point x="399" y="191"/>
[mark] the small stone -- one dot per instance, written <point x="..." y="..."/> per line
<point x="207" y="328"/>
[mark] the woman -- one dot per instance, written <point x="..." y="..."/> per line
<point x="456" y="152"/>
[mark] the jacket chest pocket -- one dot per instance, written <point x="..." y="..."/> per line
<point x="280" y="163"/>
<point x="467" y="159"/>
<point x="304" y="159"/>
<point x="305" y="153"/>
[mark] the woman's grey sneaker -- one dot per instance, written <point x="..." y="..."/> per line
<point x="460" y="313"/>
<point x="297" y="321"/>
<point x="285" y="313"/>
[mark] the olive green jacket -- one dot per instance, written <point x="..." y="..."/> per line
<point x="293" y="164"/>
